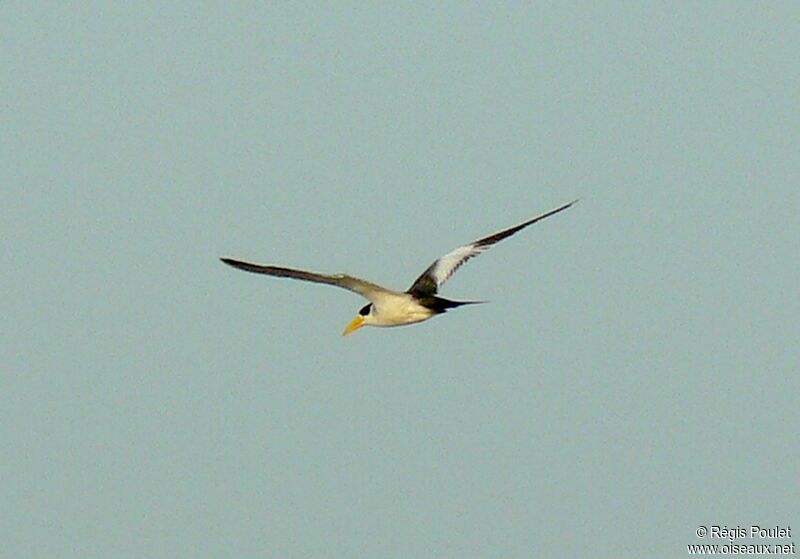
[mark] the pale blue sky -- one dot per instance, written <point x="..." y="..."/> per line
<point x="635" y="375"/>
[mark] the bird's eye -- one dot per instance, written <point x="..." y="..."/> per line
<point x="365" y="310"/>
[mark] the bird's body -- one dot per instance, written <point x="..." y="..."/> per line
<point x="397" y="308"/>
<point x="394" y="308"/>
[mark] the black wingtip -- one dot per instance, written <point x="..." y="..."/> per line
<point x="231" y="262"/>
<point x="553" y="212"/>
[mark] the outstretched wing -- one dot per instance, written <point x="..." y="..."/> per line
<point x="443" y="268"/>
<point x="364" y="288"/>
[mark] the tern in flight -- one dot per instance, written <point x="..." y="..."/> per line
<point x="396" y="308"/>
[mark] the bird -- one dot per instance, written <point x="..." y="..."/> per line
<point x="419" y="302"/>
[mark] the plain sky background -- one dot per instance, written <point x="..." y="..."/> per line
<point x="634" y="376"/>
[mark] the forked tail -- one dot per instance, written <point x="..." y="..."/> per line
<point x="442" y="305"/>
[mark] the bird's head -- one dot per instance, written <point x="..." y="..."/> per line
<point x="364" y="317"/>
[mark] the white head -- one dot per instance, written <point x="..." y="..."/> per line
<point x="364" y="317"/>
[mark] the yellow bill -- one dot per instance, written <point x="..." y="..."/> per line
<point x="357" y="323"/>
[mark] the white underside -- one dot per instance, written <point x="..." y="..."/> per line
<point x="396" y="309"/>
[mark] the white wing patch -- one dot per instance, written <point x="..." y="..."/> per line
<point x="444" y="268"/>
